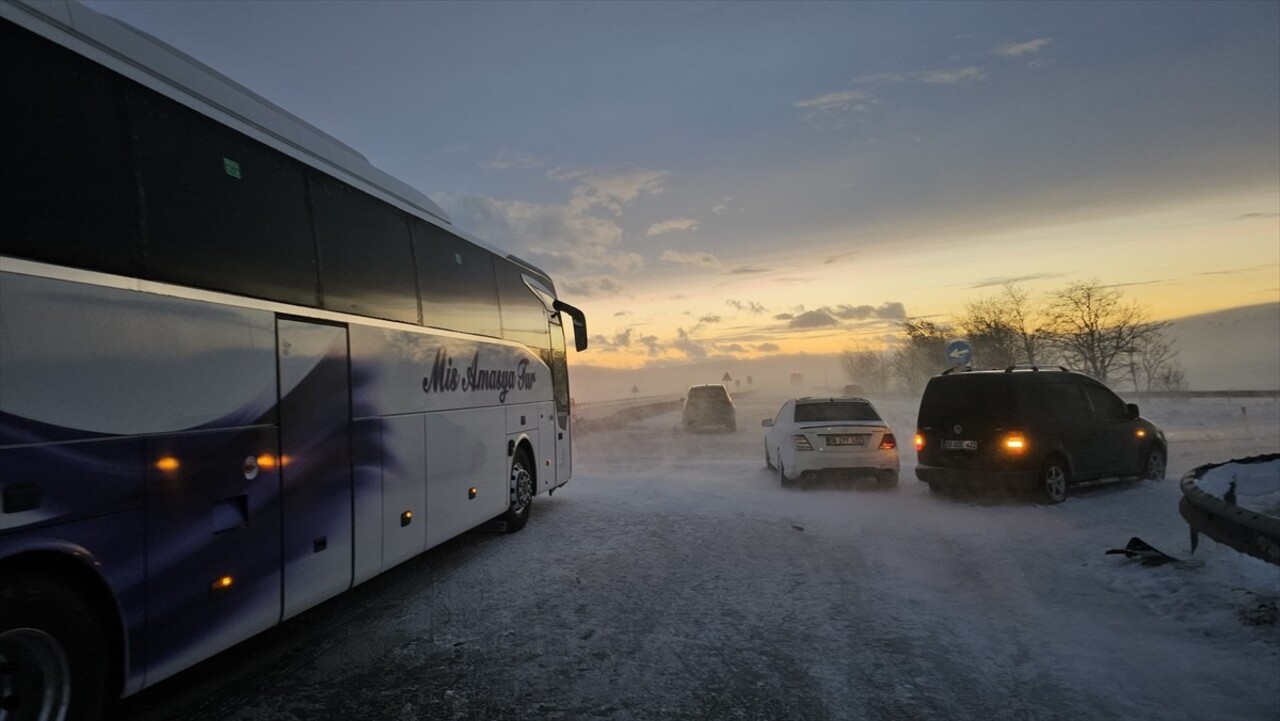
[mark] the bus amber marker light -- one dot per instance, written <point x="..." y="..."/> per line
<point x="168" y="464"/>
<point x="1015" y="443"/>
<point x="223" y="583"/>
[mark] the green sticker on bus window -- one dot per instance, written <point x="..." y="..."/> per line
<point x="231" y="167"/>
<point x="457" y="258"/>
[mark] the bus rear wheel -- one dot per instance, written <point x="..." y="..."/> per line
<point x="517" y="514"/>
<point x="53" y="652"/>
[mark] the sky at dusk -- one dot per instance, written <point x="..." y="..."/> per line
<point x="742" y="179"/>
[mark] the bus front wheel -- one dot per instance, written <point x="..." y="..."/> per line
<point x="52" y="651"/>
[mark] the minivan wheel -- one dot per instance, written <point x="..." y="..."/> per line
<point x="1053" y="480"/>
<point x="1153" y="464"/>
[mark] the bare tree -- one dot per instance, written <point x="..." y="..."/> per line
<point x="870" y="369"/>
<point x="1094" y="328"/>
<point x="922" y="354"/>
<point x="1157" y="364"/>
<point x="1004" y="329"/>
<point x="987" y="327"/>
<point x="1026" y="319"/>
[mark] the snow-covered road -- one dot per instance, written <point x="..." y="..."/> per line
<point x="674" y="579"/>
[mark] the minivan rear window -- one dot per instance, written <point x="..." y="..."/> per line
<point x="984" y="398"/>
<point x="708" y="392"/>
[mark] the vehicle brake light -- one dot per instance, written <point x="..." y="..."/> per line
<point x="888" y="442"/>
<point x="919" y="442"/>
<point x="800" y="443"/>
<point x="1015" y="443"/>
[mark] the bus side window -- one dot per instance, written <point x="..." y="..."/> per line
<point x="69" y="194"/>
<point x="223" y="211"/>
<point x="457" y="283"/>
<point x="366" y="262"/>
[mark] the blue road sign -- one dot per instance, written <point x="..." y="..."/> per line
<point x="959" y="353"/>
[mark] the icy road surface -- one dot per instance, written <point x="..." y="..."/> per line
<point x="674" y="579"/>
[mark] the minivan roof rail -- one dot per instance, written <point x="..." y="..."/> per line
<point x="1029" y="367"/>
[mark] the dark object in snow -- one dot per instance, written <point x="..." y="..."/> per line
<point x="1150" y="555"/>
<point x="1262" y="612"/>
<point x="1230" y="495"/>
<point x="797" y="528"/>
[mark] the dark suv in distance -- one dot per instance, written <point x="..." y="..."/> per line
<point x="1035" y="428"/>
<point x="708" y="406"/>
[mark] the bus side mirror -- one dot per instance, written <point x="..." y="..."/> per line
<point x="579" y="323"/>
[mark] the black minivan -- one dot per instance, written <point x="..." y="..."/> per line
<point x="1029" y="427"/>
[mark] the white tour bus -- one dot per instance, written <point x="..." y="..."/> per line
<point x="241" y="370"/>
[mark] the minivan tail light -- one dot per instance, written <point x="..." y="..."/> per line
<point x="1015" y="443"/>
<point x="800" y="443"/>
<point x="888" y="442"/>
<point x="919" y="442"/>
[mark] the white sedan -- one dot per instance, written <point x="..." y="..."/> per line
<point x="830" y="437"/>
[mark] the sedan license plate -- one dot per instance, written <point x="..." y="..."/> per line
<point x="860" y="440"/>
<point x="959" y="445"/>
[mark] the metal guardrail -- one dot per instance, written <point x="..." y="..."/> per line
<point x="1245" y="530"/>
<point x="1202" y="394"/>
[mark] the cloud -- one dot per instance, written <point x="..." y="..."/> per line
<point x="732" y="348"/>
<point x="1254" y="216"/>
<point x="951" y="77"/>
<point x="887" y="311"/>
<point x="507" y="159"/>
<point x="1235" y="271"/>
<point x="674" y="225"/>
<point x="610" y="190"/>
<point x="946" y="76"/>
<point x="741" y="270"/>
<point x="621" y="313"/>
<point x="783" y="316"/>
<point x="564" y="237"/>
<point x="1013" y="50"/>
<point x="710" y="319"/>
<point x="813" y="319"/>
<point x="749" y="306"/>
<point x="1007" y="279"/>
<point x="590" y="287"/>
<point x="687" y="345"/>
<point x="705" y="260"/>
<point x="839" y="256"/>
<point x="841" y="100"/>
<point x="768" y="347"/>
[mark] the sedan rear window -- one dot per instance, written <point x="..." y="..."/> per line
<point x="835" y="411"/>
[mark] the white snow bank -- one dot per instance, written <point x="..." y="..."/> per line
<point x="1257" y="485"/>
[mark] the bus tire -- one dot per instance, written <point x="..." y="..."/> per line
<point x="521" y="489"/>
<point x="53" y="651"/>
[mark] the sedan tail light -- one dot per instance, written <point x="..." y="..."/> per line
<point x="888" y="442"/>
<point x="800" y="443"/>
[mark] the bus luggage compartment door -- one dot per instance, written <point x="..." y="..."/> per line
<point x="315" y="448"/>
